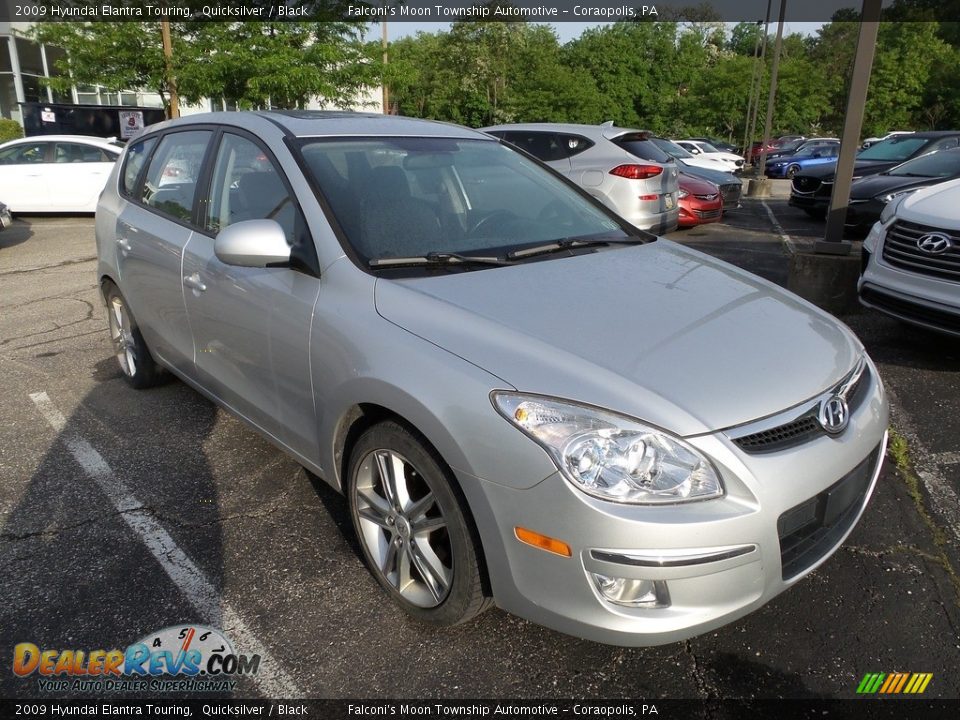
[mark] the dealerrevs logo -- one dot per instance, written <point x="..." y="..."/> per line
<point x="199" y="658"/>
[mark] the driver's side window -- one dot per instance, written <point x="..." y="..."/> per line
<point x="247" y="186"/>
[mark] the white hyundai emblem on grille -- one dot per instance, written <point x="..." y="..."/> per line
<point x="834" y="414"/>
<point x="934" y="243"/>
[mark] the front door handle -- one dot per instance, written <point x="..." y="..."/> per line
<point x="123" y="243"/>
<point x="194" y="282"/>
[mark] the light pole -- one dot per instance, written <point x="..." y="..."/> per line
<point x="763" y="57"/>
<point x="774" y="69"/>
<point x="386" y="90"/>
<point x="859" y="83"/>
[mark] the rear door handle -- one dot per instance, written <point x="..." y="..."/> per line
<point x="194" y="282"/>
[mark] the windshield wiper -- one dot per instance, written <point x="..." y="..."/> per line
<point x="571" y="243"/>
<point x="437" y="259"/>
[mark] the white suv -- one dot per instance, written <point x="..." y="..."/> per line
<point x="911" y="259"/>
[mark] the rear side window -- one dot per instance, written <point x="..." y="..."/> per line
<point x="171" y="182"/>
<point x="136" y="156"/>
<point x="544" y="146"/>
<point x="642" y="148"/>
<point x="80" y="153"/>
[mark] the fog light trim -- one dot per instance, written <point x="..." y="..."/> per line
<point x="632" y="592"/>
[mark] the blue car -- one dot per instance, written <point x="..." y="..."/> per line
<point x="787" y="167"/>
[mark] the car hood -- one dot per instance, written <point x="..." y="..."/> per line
<point x="860" y="169"/>
<point x="705" y="162"/>
<point x="717" y="177"/>
<point x="873" y="185"/>
<point x="660" y="332"/>
<point x="697" y="186"/>
<point x="933" y="205"/>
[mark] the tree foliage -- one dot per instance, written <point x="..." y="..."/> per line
<point x="249" y="64"/>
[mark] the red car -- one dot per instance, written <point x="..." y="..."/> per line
<point x="700" y="201"/>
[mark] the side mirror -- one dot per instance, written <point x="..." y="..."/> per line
<point x="252" y="243"/>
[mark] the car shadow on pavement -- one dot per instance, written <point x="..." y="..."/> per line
<point x="76" y="572"/>
<point x="16" y="234"/>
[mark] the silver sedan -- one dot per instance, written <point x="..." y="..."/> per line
<point x="526" y="400"/>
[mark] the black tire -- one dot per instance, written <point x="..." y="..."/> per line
<point x="450" y="551"/>
<point x="792" y="171"/>
<point x="136" y="363"/>
<point x="817" y="213"/>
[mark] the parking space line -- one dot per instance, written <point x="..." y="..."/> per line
<point x="272" y="681"/>
<point x="778" y="229"/>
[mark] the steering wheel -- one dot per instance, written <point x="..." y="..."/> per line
<point x="494" y="218"/>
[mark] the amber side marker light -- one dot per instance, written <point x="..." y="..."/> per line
<point x="544" y="542"/>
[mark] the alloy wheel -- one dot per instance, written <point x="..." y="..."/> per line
<point x="121" y="332"/>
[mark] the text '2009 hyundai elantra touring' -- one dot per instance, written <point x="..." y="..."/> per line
<point x="526" y="400"/>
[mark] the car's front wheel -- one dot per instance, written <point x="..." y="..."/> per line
<point x="131" y="350"/>
<point x="413" y="529"/>
<point x="792" y="170"/>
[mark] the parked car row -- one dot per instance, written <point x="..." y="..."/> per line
<point x="633" y="172"/>
<point x="812" y="189"/>
<point x="526" y="400"/>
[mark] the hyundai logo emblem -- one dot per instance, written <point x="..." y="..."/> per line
<point x="934" y="243"/>
<point x="834" y="414"/>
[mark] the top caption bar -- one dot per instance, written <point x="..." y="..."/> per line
<point x="558" y="11"/>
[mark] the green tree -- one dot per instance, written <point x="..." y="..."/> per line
<point x="250" y="64"/>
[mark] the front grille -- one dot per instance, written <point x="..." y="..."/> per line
<point x="810" y="530"/>
<point x="707" y="214"/>
<point x="804" y="184"/>
<point x="731" y="193"/>
<point x="804" y="428"/>
<point x="912" y="311"/>
<point x="900" y="249"/>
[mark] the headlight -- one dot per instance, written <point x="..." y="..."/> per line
<point x="887" y="197"/>
<point x="893" y="204"/>
<point x="610" y="456"/>
<point x="682" y="193"/>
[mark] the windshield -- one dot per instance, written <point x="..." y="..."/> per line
<point x="671" y="148"/>
<point x="895" y="148"/>
<point x="405" y="197"/>
<point x="938" y="164"/>
<point x="708" y="148"/>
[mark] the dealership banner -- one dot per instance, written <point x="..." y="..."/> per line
<point x="494" y="709"/>
<point x="555" y="11"/>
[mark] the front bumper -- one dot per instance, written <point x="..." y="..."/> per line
<point x="719" y="559"/>
<point x="862" y="214"/>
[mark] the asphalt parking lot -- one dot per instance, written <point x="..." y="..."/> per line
<point x="265" y="552"/>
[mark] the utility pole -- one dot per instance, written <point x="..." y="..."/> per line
<point x="763" y="57"/>
<point x="753" y="81"/>
<point x="833" y="243"/>
<point x="386" y="90"/>
<point x="168" y="62"/>
<point x="774" y="69"/>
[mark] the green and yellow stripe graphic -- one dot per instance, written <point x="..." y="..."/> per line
<point x="894" y="683"/>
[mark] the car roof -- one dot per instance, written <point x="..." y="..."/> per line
<point x="88" y="139"/>
<point x="606" y="131"/>
<point x="329" y="123"/>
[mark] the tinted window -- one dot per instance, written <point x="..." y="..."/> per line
<point x="940" y="164"/>
<point x="896" y="148"/>
<point x="136" y="156"/>
<point x="646" y="149"/>
<point x="247" y="186"/>
<point x="398" y="197"/>
<point x="670" y="148"/>
<point x="23" y="154"/>
<point x="171" y="181"/>
<point x="80" y="153"/>
<point x="544" y="146"/>
<point x="945" y="144"/>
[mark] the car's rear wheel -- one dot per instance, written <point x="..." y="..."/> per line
<point x="415" y="535"/>
<point x="792" y="170"/>
<point x="133" y="356"/>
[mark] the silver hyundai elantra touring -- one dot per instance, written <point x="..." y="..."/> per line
<point x="526" y="400"/>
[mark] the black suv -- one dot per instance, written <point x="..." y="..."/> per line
<point x="813" y="188"/>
